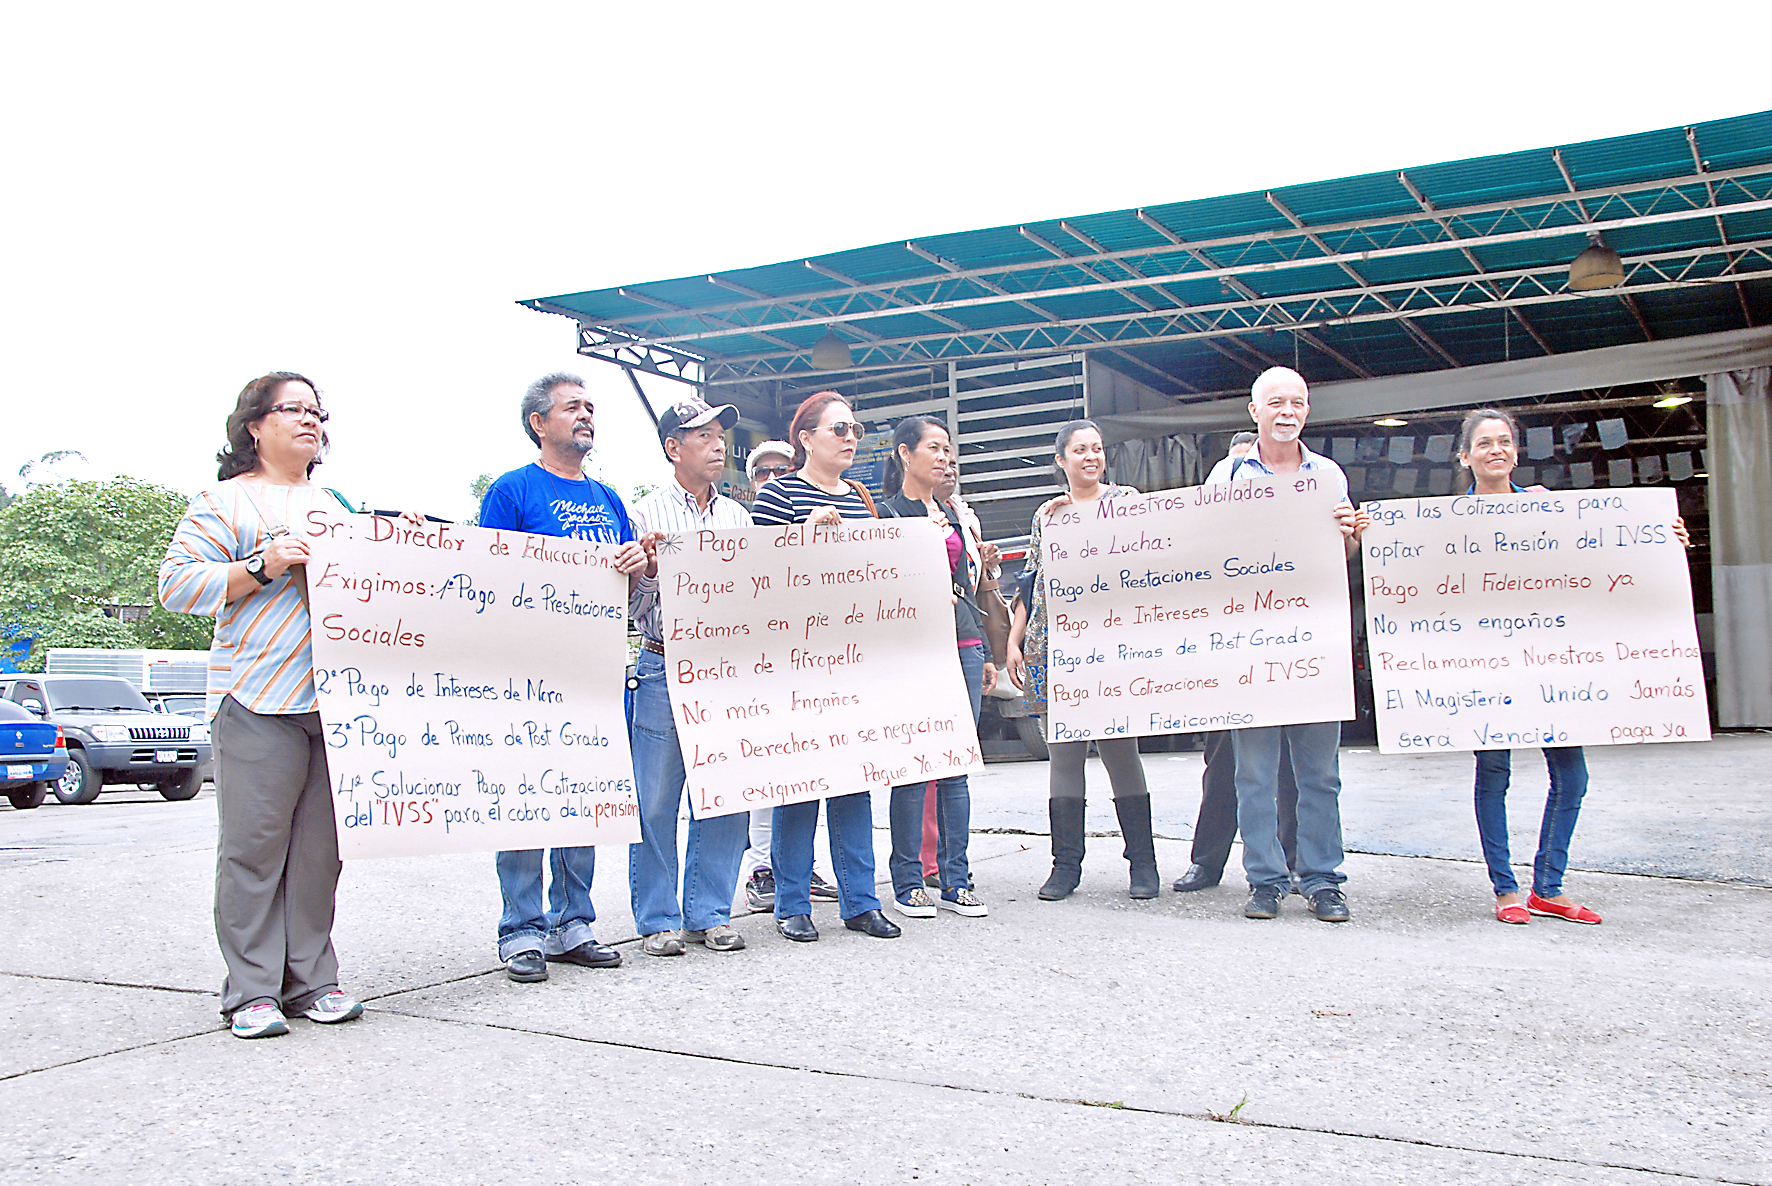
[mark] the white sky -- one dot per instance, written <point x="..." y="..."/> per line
<point x="196" y="195"/>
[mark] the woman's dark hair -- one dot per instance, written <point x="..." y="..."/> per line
<point x="1468" y="429"/>
<point x="1065" y="434"/>
<point x="806" y="419"/>
<point x="909" y="433"/>
<point x="241" y="454"/>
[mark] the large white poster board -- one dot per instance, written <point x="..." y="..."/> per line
<point x="1210" y="607"/>
<point x="470" y="683"/>
<point x="1520" y="620"/>
<point x="806" y="662"/>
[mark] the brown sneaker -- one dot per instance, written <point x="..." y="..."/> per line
<point x="720" y="938"/>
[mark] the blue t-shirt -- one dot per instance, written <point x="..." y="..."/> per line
<point x="532" y="499"/>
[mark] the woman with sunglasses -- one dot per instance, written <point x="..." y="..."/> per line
<point x="1082" y="460"/>
<point x="235" y="557"/>
<point x="1488" y="450"/>
<point x="824" y="435"/>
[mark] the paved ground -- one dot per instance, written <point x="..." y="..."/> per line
<point x="1092" y="1040"/>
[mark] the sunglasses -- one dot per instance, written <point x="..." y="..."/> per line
<point x="845" y="428"/>
<point x="773" y="471"/>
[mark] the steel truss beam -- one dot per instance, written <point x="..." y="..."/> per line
<point x="1705" y="195"/>
<point x="1484" y="290"/>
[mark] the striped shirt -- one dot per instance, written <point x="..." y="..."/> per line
<point x="260" y="655"/>
<point x="672" y="509"/>
<point x="793" y="499"/>
<point x="1253" y="465"/>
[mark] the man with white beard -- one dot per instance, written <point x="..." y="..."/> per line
<point x="1279" y="403"/>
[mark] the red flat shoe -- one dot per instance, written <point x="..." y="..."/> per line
<point x="1515" y="914"/>
<point x="1580" y="914"/>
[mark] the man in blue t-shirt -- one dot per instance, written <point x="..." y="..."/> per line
<point x="553" y="497"/>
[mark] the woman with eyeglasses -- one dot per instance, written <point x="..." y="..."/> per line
<point x="1488" y="450"/>
<point x="1082" y="460"/>
<point x="237" y="557"/>
<point x="824" y="435"/>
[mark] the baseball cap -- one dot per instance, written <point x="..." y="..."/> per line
<point x="767" y="449"/>
<point x="692" y="411"/>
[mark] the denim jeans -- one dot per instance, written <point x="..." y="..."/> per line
<point x="1568" y="783"/>
<point x="1316" y="767"/>
<point x="953" y="808"/>
<point x="849" y="820"/>
<point x="567" y="922"/>
<point x="716" y="844"/>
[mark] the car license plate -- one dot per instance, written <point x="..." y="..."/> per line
<point x="165" y="756"/>
<point x="17" y="772"/>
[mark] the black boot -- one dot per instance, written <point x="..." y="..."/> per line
<point x="1141" y="851"/>
<point x="1067" y="849"/>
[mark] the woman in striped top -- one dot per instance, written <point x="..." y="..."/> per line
<point x="824" y="435"/>
<point x="234" y="558"/>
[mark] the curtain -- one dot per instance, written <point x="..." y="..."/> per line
<point x="1740" y="490"/>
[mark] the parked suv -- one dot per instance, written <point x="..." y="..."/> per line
<point x="113" y="735"/>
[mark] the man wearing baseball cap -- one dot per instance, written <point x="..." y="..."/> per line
<point x="694" y="439"/>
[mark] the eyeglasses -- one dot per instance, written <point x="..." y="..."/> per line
<point x="299" y="412"/>
<point x="773" y="471"/>
<point x="845" y="428"/>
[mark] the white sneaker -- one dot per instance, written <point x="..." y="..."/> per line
<point x="962" y="902"/>
<point x="333" y="1008"/>
<point x="259" y="1021"/>
<point x="916" y="904"/>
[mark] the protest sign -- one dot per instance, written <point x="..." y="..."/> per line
<point x="806" y="662"/>
<point x="470" y="687"/>
<point x="1499" y="621"/>
<point x="1210" y="607"/>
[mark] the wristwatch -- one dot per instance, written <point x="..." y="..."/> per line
<point x="255" y="568"/>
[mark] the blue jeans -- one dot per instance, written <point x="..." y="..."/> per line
<point x="1316" y="768"/>
<point x="716" y="844"/>
<point x="849" y="819"/>
<point x="953" y="808"/>
<point x="567" y="923"/>
<point x="1568" y="783"/>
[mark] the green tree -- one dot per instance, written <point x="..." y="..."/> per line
<point x="70" y="551"/>
<point x="478" y="488"/>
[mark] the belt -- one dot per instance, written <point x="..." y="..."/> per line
<point x="653" y="645"/>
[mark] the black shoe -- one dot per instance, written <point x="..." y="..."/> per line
<point x="797" y="927"/>
<point x="1264" y="902"/>
<point x="589" y="955"/>
<point x="1134" y="812"/>
<point x="1197" y="877"/>
<point x="875" y="923"/>
<point x="527" y="967"/>
<point x="1330" y="905"/>
<point x="822" y="890"/>
<point x="759" y="891"/>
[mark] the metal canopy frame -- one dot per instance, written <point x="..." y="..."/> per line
<point x="1419" y="269"/>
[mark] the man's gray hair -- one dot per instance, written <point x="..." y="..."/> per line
<point x="539" y="398"/>
<point x="1272" y="376"/>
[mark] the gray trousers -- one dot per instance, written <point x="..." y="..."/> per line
<point x="276" y="859"/>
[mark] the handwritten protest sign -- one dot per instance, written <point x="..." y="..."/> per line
<point x="1515" y="620"/>
<point x="1211" y="607"/>
<point x="806" y="662"/>
<point x="470" y="687"/>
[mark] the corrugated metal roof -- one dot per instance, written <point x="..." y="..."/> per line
<point x="1479" y="281"/>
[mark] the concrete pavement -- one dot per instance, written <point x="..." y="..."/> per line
<point x="1081" y="1041"/>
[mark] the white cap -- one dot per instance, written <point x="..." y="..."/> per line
<point x="767" y="449"/>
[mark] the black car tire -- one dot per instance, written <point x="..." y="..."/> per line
<point x="80" y="783"/>
<point x="181" y="786"/>
<point x="1033" y="737"/>
<point x="28" y="796"/>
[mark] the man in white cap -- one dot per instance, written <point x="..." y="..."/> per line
<point x="694" y="439"/>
